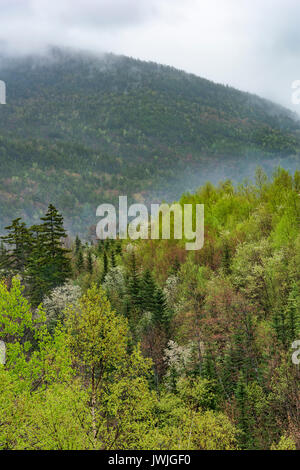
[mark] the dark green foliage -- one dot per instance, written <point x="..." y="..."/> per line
<point x="77" y="244"/>
<point x="134" y="284"/>
<point x="37" y="253"/>
<point x="113" y="259"/>
<point x="79" y="261"/>
<point x="131" y="127"/>
<point x="243" y="413"/>
<point x="90" y="267"/>
<point x="105" y="265"/>
<point x="19" y="244"/>
<point x="148" y="294"/>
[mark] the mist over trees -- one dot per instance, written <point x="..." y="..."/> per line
<point x="79" y="130"/>
<point x="144" y="345"/>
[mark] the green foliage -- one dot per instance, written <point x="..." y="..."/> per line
<point x="131" y="127"/>
<point x="152" y="359"/>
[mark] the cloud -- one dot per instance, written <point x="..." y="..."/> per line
<point x="251" y="44"/>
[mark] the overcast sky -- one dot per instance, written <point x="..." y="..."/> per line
<point x="253" y="45"/>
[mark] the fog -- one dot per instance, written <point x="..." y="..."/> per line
<point x="250" y="44"/>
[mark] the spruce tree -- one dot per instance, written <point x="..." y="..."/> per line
<point x="134" y="284"/>
<point x="19" y="244"/>
<point x="79" y="261"/>
<point x="147" y="293"/>
<point x="160" y="313"/>
<point x="244" y="418"/>
<point x="113" y="259"/>
<point x="105" y="265"/>
<point x="4" y="260"/>
<point x="90" y="263"/>
<point x="292" y="314"/>
<point x="37" y="268"/>
<point x="53" y="232"/>
<point x="77" y="244"/>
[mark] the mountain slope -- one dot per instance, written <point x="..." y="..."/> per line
<point x="80" y="130"/>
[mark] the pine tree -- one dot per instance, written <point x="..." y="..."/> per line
<point x="100" y="246"/>
<point x="134" y="284"/>
<point x="244" y="419"/>
<point x="48" y="264"/>
<point x="105" y="265"/>
<point x="226" y="257"/>
<point x="79" y="261"/>
<point x="52" y="230"/>
<point x="77" y="244"/>
<point x="147" y="293"/>
<point x="292" y="314"/>
<point x="19" y="243"/>
<point x="4" y="259"/>
<point x="160" y="313"/>
<point x="90" y="263"/>
<point x="113" y="259"/>
<point x="36" y="271"/>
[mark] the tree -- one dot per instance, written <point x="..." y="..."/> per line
<point x="52" y="231"/>
<point x="90" y="267"/>
<point x="77" y="244"/>
<point x="113" y="259"/>
<point x="98" y="339"/>
<point x="105" y="265"/>
<point x="19" y="242"/>
<point x="79" y="261"/>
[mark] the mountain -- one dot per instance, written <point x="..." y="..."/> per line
<point x="79" y="130"/>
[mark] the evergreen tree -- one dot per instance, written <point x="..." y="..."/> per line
<point x="148" y="291"/>
<point x="36" y="271"/>
<point x="48" y="264"/>
<point x="113" y="259"/>
<point x="90" y="263"/>
<point x="4" y="259"/>
<point x="52" y="230"/>
<point x="160" y="312"/>
<point x="292" y="314"/>
<point x="19" y="244"/>
<point x="134" y="284"/>
<point x="226" y="257"/>
<point x="244" y="419"/>
<point x="79" y="261"/>
<point x="77" y="244"/>
<point x="105" y="265"/>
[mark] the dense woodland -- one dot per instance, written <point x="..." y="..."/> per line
<point x="79" y="129"/>
<point x="144" y="345"/>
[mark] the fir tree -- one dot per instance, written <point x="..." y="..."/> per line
<point x="113" y="259"/>
<point x="37" y="272"/>
<point x="244" y="418"/>
<point x="52" y="230"/>
<point x="292" y="314"/>
<point x="90" y="263"/>
<point x="149" y="302"/>
<point x="79" y="261"/>
<point x="77" y="244"/>
<point x="160" y="312"/>
<point x="105" y="265"/>
<point x="134" y="284"/>
<point x="19" y="244"/>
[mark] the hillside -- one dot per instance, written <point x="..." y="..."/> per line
<point x="79" y="130"/>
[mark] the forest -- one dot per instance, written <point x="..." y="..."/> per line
<point x="80" y="129"/>
<point x="112" y="344"/>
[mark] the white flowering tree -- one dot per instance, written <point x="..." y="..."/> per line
<point x="115" y="287"/>
<point x="58" y="300"/>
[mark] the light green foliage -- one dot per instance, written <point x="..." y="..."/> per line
<point x="285" y="443"/>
